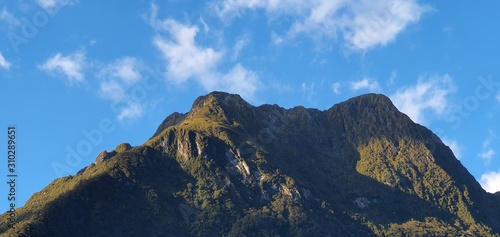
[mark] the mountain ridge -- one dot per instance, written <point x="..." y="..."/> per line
<point x="227" y="168"/>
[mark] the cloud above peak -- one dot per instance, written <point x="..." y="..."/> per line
<point x="118" y="80"/>
<point x="126" y="69"/>
<point x="429" y="94"/>
<point x="491" y="181"/>
<point x="70" y="66"/>
<point x="187" y="60"/>
<point x="366" y="84"/>
<point x="487" y="152"/>
<point x="363" y="24"/>
<point x="380" y="22"/>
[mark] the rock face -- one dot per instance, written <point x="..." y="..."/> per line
<point x="227" y="168"/>
<point x="103" y="156"/>
<point x="171" y="120"/>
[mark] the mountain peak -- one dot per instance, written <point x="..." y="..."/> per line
<point x="371" y="103"/>
<point x="215" y="106"/>
<point x="372" y="98"/>
<point x="223" y="98"/>
<point x="226" y="168"/>
<point x="219" y="107"/>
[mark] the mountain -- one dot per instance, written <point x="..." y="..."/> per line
<point x="227" y="168"/>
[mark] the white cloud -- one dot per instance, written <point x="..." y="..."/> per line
<point x="379" y="22"/>
<point x="308" y="91"/>
<point x="206" y="28"/>
<point x="365" y="84"/>
<point x="9" y="18"/>
<point x="498" y="97"/>
<point x="51" y="5"/>
<point x="47" y="4"/>
<point x="239" y="46"/>
<point x="426" y="95"/>
<point x="118" y="80"/>
<point x="453" y="144"/>
<point x="234" y="8"/>
<point x="336" y="88"/>
<point x="4" y="63"/>
<point x="241" y="81"/>
<point x="320" y="19"/>
<point x="186" y="60"/>
<point x="70" y="66"/>
<point x="487" y="152"/>
<point x="131" y="111"/>
<point x="275" y="39"/>
<point x="126" y="69"/>
<point x="363" y="24"/>
<point x="112" y="90"/>
<point x="491" y="181"/>
<point x="394" y="76"/>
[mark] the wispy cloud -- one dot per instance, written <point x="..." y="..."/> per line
<point x="336" y="88"/>
<point x="363" y="24"/>
<point x="9" y="18"/>
<point x="187" y="60"/>
<point x="240" y="44"/>
<point x="365" y="84"/>
<point x="118" y="78"/>
<point x="206" y="28"/>
<point x="276" y="39"/>
<point x="241" y="80"/>
<point x="112" y="89"/>
<point x="4" y="63"/>
<point x="487" y="152"/>
<point x="308" y="91"/>
<point x="71" y="66"/>
<point x="125" y="69"/>
<point x="51" y="5"/>
<point x="427" y="95"/>
<point x="491" y="181"/>
<point x="131" y="110"/>
<point x="394" y="76"/>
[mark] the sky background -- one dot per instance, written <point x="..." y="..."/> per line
<point x="80" y="77"/>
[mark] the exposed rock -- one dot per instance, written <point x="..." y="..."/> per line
<point x="81" y="170"/>
<point x="123" y="147"/>
<point x="169" y="121"/>
<point x="103" y="156"/>
<point x="237" y="164"/>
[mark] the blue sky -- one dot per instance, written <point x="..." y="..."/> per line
<point x="79" y="77"/>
